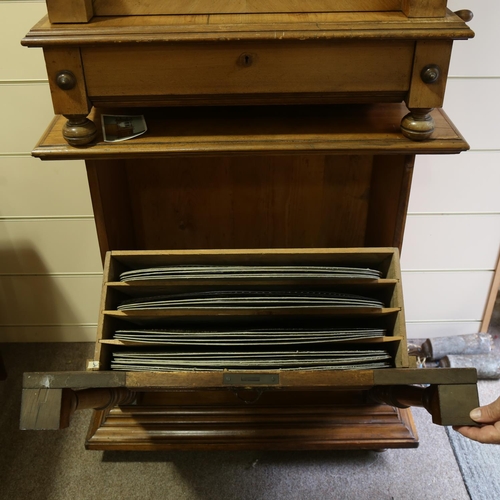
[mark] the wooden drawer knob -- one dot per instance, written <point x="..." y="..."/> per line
<point x="66" y="80"/>
<point x="431" y="73"/>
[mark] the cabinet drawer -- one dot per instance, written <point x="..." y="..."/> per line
<point x="268" y="303"/>
<point x="345" y="71"/>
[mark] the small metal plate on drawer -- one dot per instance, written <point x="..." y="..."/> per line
<point x="251" y="379"/>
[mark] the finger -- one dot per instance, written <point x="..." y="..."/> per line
<point x="488" y="413"/>
<point x="489" y="434"/>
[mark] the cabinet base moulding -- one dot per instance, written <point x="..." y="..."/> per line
<point x="231" y="429"/>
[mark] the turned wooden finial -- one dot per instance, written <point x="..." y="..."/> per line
<point x="79" y="130"/>
<point x="418" y="124"/>
<point x="465" y="15"/>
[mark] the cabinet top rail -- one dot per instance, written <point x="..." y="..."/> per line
<point x="244" y="27"/>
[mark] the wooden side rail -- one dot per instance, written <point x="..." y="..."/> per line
<point x="448" y="404"/>
<point x="51" y="409"/>
<point x="49" y="399"/>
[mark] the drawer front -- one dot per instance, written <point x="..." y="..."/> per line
<point x="345" y="69"/>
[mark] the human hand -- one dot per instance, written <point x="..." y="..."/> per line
<point x="489" y="418"/>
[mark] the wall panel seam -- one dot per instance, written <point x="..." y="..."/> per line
<point x="36" y="325"/>
<point x="55" y="275"/>
<point x="445" y="214"/>
<point x="428" y="321"/>
<point x="15" y="155"/>
<point x="42" y="218"/>
<point x="473" y="77"/>
<point x="23" y="1"/>
<point x="23" y="82"/>
<point x="454" y="270"/>
<point x="483" y="150"/>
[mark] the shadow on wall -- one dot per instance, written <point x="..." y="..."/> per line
<point x="32" y="300"/>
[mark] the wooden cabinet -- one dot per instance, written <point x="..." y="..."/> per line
<point x="273" y="138"/>
<point x="267" y="185"/>
<point x="345" y="54"/>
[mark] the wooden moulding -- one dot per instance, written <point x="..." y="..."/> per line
<point x="250" y="427"/>
<point x="253" y="27"/>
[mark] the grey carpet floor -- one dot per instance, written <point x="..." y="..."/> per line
<point x="479" y="463"/>
<point x="53" y="465"/>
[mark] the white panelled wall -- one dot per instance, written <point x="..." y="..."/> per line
<point x="50" y="271"/>
<point x="452" y="237"/>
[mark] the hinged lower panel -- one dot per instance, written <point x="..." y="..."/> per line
<point x="251" y="349"/>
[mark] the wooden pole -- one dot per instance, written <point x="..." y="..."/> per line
<point x="490" y="304"/>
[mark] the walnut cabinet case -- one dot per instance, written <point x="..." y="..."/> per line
<point x="291" y="186"/>
<point x="273" y="139"/>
